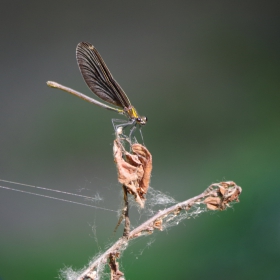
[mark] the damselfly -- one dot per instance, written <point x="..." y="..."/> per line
<point x="101" y="82"/>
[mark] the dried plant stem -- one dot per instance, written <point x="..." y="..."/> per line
<point x="126" y="230"/>
<point x="216" y="197"/>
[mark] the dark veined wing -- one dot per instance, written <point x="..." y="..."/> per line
<point x="98" y="77"/>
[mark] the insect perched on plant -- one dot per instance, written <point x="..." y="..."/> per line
<point x="101" y="82"/>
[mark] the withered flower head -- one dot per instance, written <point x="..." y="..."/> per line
<point x="134" y="169"/>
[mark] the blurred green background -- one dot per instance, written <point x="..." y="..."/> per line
<point x="205" y="73"/>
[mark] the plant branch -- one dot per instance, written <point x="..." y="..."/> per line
<point x="217" y="196"/>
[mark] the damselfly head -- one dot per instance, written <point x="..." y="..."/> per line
<point x="142" y="120"/>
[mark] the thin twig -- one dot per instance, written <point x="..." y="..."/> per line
<point x="126" y="230"/>
<point x="216" y="197"/>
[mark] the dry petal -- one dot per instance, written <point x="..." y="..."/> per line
<point x="228" y="192"/>
<point x="213" y="203"/>
<point x="158" y="224"/>
<point x="134" y="170"/>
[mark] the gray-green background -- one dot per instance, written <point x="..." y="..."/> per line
<point x="205" y="73"/>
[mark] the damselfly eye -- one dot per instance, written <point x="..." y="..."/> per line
<point x="141" y="120"/>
